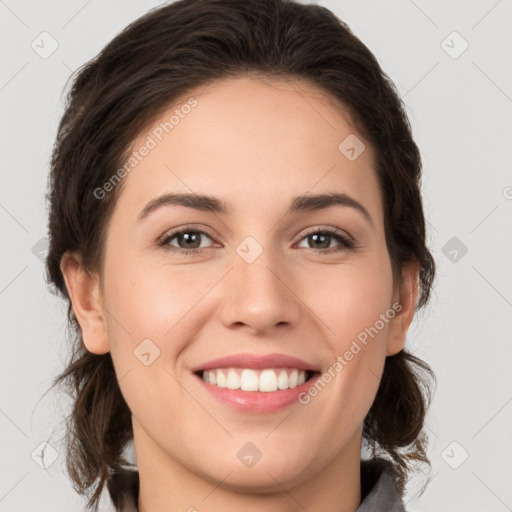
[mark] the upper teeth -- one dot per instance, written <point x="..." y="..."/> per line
<point x="248" y="379"/>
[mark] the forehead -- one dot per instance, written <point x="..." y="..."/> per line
<point x="251" y="141"/>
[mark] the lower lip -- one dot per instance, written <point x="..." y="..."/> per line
<point x="258" y="401"/>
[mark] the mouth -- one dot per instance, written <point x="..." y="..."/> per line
<point x="262" y="380"/>
<point x="256" y="383"/>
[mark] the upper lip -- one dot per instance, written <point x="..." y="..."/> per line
<point x="256" y="362"/>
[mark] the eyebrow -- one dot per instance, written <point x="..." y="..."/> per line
<point x="304" y="203"/>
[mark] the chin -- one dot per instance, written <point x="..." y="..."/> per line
<point x="265" y="476"/>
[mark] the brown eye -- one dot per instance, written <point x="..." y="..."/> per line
<point x="321" y="241"/>
<point x="188" y="241"/>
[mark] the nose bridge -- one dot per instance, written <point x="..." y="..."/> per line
<point x="257" y="293"/>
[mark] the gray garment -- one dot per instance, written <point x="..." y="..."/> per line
<point x="382" y="495"/>
<point x="377" y="489"/>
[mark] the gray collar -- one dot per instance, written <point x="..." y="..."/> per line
<point x="378" y="487"/>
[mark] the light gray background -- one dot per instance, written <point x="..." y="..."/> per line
<point x="460" y="109"/>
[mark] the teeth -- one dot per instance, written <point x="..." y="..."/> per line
<point x="220" y="378"/>
<point x="233" y="380"/>
<point x="268" y="381"/>
<point x="292" y="381"/>
<point x="282" y="380"/>
<point x="247" y="379"/>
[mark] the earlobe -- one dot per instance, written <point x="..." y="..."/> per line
<point x="408" y="298"/>
<point x="84" y="292"/>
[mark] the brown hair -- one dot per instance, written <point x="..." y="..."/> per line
<point x="142" y="71"/>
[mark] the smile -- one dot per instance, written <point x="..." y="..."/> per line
<point x="248" y="379"/>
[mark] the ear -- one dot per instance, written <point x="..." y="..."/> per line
<point x="87" y="302"/>
<point x="407" y="296"/>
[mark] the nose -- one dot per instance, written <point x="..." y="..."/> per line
<point x="260" y="296"/>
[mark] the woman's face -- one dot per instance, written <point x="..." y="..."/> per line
<point x="267" y="277"/>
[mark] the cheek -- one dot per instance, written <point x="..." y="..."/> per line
<point x="350" y="298"/>
<point x="152" y="302"/>
<point x="355" y="308"/>
<point x="154" y="308"/>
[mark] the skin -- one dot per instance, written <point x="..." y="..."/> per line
<point x="255" y="144"/>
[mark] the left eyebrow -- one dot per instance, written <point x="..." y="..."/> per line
<point x="304" y="203"/>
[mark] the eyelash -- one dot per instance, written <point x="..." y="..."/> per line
<point x="346" y="243"/>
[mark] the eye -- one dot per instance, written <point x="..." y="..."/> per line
<point x="324" y="237"/>
<point x="188" y="241"/>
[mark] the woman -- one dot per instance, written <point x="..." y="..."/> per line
<point x="237" y="226"/>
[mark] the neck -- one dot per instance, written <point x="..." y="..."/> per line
<point x="168" y="485"/>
